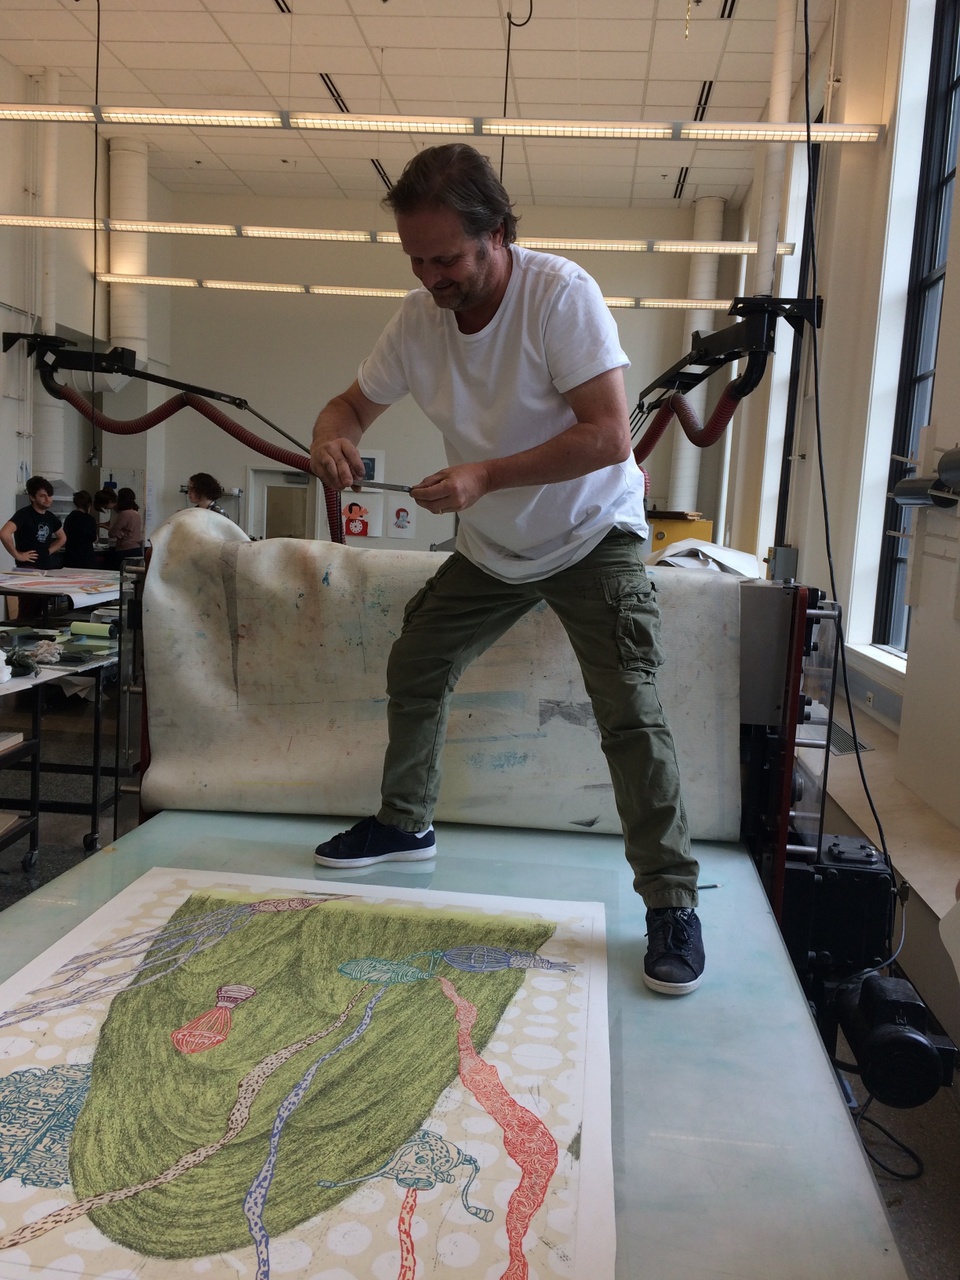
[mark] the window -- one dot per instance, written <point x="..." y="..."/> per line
<point x="922" y="328"/>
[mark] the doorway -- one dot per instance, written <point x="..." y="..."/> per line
<point x="281" y="504"/>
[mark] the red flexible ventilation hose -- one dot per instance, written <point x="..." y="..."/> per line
<point x="187" y="399"/>
<point x="679" y="405"/>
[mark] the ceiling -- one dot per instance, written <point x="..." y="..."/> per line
<point x="585" y="59"/>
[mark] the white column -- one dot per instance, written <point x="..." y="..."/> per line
<point x="702" y="283"/>
<point x="48" y="420"/>
<point x="128" y="250"/>
<point x="128" y="320"/>
<point x="774" y="154"/>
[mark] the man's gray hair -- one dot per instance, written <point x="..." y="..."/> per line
<point x="458" y="177"/>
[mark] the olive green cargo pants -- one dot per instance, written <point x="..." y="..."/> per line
<point x="607" y="606"/>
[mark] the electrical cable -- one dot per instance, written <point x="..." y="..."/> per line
<point x="860" y="1117"/>
<point x="818" y="434"/>
<point x="506" y="74"/>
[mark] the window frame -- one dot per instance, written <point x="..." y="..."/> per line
<point x="935" y="199"/>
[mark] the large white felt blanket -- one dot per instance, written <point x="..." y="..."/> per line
<point x="265" y="669"/>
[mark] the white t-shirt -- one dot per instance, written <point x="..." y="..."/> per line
<point x="498" y="392"/>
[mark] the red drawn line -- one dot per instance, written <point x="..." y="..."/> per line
<point x="408" y="1259"/>
<point x="526" y="1139"/>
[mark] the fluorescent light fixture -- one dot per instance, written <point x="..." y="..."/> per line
<point x="346" y="291"/>
<point x="561" y="244"/>
<point x="172" y="228"/>
<point x="304" y="233"/>
<point x="772" y="131"/>
<point x="729" y="247"/>
<point x="550" y="243"/>
<point x="52" y="223"/>
<point x="490" y="126"/>
<point x="732" y="248"/>
<point x="197" y="117"/>
<point x="313" y="233"/>
<point x="349" y="291"/>
<point x="336" y="122"/>
<point x="174" y="282"/>
<point x="672" y="304"/>
<point x="51" y="112"/>
<point x="503" y="128"/>
<point x="254" y="286"/>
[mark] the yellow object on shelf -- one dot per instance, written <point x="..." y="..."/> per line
<point x="667" y="527"/>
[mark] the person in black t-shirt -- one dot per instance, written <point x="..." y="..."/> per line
<point x="80" y="526"/>
<point x="33" y="534"/>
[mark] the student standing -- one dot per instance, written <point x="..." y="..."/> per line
<point x="205" y="492"/>
<point x="33" y="534"/>
<point x="80" y="528"/>
<point x="127" y="529"/>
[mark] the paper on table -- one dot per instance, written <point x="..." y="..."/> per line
<point x="694" y="553"/>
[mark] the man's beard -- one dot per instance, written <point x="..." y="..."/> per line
<point x="470" y="293"/>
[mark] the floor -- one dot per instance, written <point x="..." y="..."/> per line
<point x="922" y="1209"/>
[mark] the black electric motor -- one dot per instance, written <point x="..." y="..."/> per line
<point x="886" y="1024"/>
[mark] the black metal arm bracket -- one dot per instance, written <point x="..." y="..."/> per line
<point x="55" y="354"/>
<point x="752" y="336"/>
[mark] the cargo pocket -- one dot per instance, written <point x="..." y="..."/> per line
<point x="633" y="597"/>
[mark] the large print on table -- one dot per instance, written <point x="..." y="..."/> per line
<point x="231" y="1076"/>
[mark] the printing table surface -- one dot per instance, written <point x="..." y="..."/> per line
<point x="734" y="1153"/>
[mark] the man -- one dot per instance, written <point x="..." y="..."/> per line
<point x="33" y="534"/>
<point x="514" y="356"/>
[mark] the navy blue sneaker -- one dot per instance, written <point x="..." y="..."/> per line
<point x="370" y="841"/>
<point x="673" y="964"/>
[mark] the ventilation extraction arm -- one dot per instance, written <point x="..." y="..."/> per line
<point x="752" y="337"/>
<point x="56" y="354"/>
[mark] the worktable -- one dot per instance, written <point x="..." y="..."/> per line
<point x="95" y="669"/>
<point x="734" y="1151"/>
<point x="82" y="587"/>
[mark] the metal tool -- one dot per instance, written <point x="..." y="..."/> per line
<point x="379" y="484"/>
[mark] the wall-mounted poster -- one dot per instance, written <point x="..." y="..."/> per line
<point x="362" y="514"/>
<point x="401" y="516"/>
<point x="372" y="460"/>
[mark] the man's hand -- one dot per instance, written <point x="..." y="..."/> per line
<point x="337" y="463"/>
<point x="453" y="488"/>
<point x="26" y="557"/>
<point x="334" y="457"/>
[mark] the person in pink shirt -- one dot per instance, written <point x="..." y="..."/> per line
<point x="127" y="529"/>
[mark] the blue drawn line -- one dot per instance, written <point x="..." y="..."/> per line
<point x="256" y="1198"/>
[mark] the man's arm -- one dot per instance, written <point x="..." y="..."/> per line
<point x="334" y="456"/>
<point x="7" y="534"/>
<point x="599" y="438"/>
<point x="59" y="538"/>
